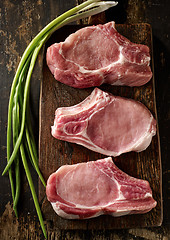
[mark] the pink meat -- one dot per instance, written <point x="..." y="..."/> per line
<point x="87" y="190"/>
<point x="99" y="54"/>
<point x="107" y="124"/>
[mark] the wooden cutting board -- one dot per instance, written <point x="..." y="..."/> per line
<point x="55" y="153"/>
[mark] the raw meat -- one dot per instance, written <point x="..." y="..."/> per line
<point x="87" y="190"/>
<point x="99" y="54"/>
<point x="107" y="124"/>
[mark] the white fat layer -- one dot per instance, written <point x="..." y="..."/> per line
<point x="87" y="103"/>
<point x="60" y="50"/>
<point x="147" y="195"/>
<point x="83" y="70"/>
<point x="120" y="213"/>
<point x="118" y="82"/>
<point x="145" y="140"/>
<point x="63" y="214"/>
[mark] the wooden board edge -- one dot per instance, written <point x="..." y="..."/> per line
<point x="158" y="136"/>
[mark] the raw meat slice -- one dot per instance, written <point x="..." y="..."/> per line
<point x="107" y="124"/>
<point x="87" y="190"/>
<point x="99" y="54"/>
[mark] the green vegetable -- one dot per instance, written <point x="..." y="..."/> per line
<point x="28" y="174"/>
<point x="18" y="109"/>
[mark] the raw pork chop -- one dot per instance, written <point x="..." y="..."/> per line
<point x="87" y="190"/>
<point x="99" y="54"/>
<point x="106" y="124"/>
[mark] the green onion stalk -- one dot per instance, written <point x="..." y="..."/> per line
<point x="19" y="126"/>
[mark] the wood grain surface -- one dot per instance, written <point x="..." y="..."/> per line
<point x="55" y="153"/>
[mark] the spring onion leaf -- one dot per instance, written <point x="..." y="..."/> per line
<point x="28" y="174"/>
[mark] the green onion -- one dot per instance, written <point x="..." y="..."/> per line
<point x="17" y="171"/>
<point x="18" y="108"/>
<point x="28" y="174"/>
